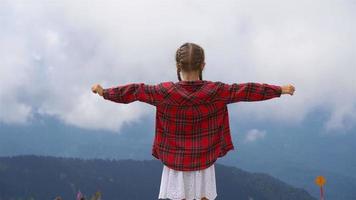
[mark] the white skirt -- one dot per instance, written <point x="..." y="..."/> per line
<point x="189" y="185"/>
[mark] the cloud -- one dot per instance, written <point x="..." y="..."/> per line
<point x="52" y="52"/>
<point x="341" y="119"/>
<point x="254" y="134"/>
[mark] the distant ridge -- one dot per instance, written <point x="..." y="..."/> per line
<point x="45" y="177"/>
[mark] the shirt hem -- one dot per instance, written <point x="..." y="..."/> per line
<point x="221" y="154"/>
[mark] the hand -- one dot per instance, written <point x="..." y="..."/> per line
<point x="96" y="88"/>
<point x="288" y="89"/>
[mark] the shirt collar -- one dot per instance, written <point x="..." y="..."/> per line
<point x="196" y="82"/>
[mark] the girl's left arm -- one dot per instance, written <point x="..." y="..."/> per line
<point x="128" y="93"/>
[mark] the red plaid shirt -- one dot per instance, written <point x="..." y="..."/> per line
<point x="192" y="122"/>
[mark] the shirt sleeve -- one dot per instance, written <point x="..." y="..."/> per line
<point x="249" y="91"/>
<point x="128" y="93"/>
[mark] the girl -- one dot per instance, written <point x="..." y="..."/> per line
<point x="192" y="125"/>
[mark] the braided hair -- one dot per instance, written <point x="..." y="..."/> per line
<point x="189" y="57"/>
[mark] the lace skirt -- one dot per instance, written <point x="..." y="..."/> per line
<point x="189" y="185"/>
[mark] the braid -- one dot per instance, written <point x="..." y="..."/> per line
<point x="189" y="57"/>
<point x="199" y="60"/>
<point x="178" y="74"/>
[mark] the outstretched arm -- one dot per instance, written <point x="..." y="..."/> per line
<point x="253" y="91"/>
<point x="130" y="92"/>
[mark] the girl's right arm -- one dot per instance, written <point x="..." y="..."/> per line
<point x="253" y="91"/>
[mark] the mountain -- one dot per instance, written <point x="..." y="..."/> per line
<point x="45" y="177"/>
<point x="294" y="155"/>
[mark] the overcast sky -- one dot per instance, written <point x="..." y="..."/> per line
<point x="52" y="52"/>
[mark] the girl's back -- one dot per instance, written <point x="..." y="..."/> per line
<point x="192" y="124"/>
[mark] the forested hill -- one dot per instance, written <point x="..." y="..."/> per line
<point x="44" y="178"/>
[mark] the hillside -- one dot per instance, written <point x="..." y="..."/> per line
<point x="44" y="177"/>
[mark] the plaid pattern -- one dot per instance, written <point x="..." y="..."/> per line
<point x="192" y="122"/>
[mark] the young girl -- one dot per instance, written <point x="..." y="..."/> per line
<point x="192" y="125"/>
